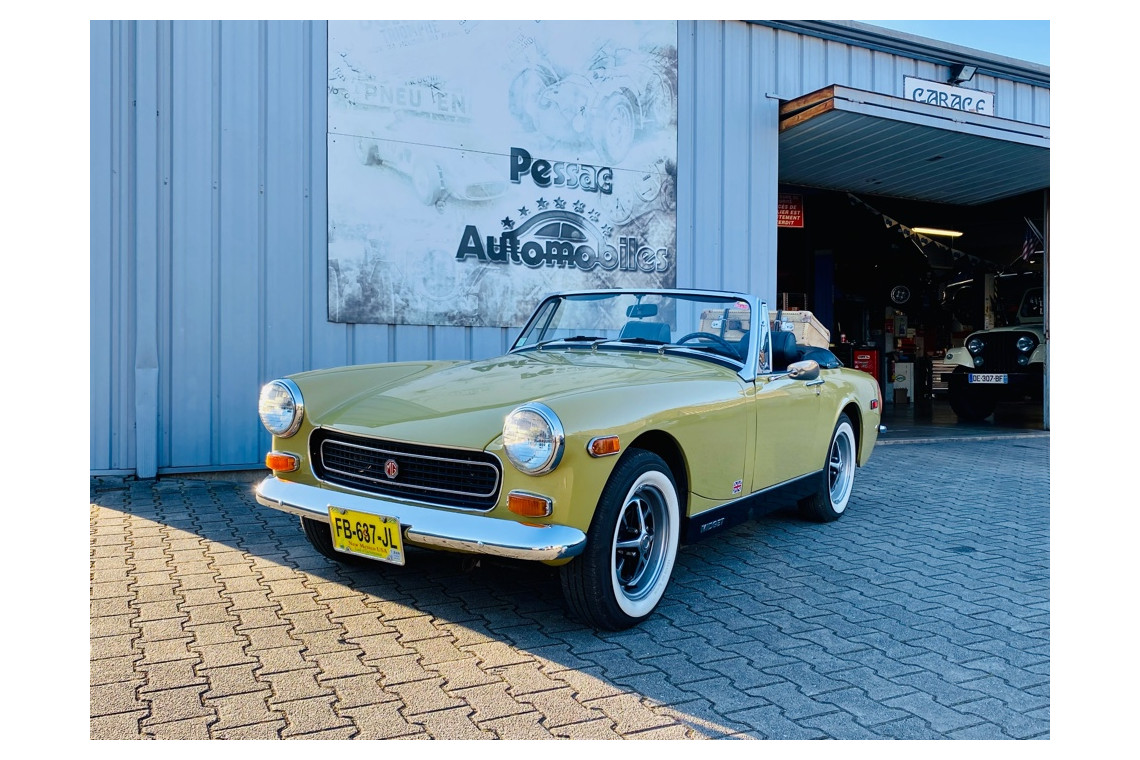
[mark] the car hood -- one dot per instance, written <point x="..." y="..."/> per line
<point x="463" y="404"/>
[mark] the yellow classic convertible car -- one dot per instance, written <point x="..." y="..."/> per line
<point x="619" y="424"/>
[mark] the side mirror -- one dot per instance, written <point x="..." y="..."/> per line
<point x="805" y="370"/>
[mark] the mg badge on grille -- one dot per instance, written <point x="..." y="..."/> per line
<point x="391" y="469"/>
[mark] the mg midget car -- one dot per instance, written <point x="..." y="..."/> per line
<point x="619" y="425"/>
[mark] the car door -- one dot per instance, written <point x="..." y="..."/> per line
<point x="788" y="417"/>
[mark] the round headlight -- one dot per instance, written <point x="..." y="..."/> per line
<point x="1025" y="343"/>
<point x="974" y="345"/>
<point x="533" y="439"/>
<point x="281" y="407"/>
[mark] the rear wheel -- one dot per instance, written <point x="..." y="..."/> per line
<point x="838" y="476"/>
<point x="630" y="548"/>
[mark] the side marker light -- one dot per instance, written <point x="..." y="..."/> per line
<point x="604" y="446"/>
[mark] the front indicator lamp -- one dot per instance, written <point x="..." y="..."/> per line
<point x="529" y="504"/>
<point x="279" y="461"/>
<point x="979" y="361"/>
<point x="1023" y="360"/>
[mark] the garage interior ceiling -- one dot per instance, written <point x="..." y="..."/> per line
<point x="840" y="138"/>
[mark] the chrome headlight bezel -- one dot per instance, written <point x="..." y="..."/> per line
<point x="281" y="408"/>
<point x="534" y="439"/>
<point x="1026" y="343"/>
<point x="975" y="345"/>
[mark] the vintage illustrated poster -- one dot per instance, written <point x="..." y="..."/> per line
<point x="475" y="166"/>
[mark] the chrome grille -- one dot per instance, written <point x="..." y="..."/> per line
<point x="436" y="475"/>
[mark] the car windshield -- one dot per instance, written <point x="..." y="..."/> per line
<point x="700" y="324"/>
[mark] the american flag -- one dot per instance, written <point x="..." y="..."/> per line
<point x="1030" y="244"/>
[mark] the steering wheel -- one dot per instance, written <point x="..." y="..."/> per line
<point x="713" y="338"/>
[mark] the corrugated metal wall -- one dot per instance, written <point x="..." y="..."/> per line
<point x="208" y="219"/>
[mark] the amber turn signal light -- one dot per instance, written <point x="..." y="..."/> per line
<point x="279" y="462"/>
<point x="528" y="504"/>
<point x="604" y="446"/>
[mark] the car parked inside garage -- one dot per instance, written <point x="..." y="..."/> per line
<point x="1004" y="364"/>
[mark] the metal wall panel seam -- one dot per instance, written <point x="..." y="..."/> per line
<point x="123" y="328"/>
<point x="101" y="370"/>
<point x="262" y="213"/>
<point x="164" y="238"/>
<point x="215" y="222"/>
<point x="307" y="194"/>
<point x="766" y="176"/>
<point x="144" y="248"/>
<point x="240" y="291"/>
<point x="686" y="148"/>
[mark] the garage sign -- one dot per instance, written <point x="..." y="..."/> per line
<point x="948" y="96"/>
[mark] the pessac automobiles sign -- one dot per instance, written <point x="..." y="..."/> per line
<point x="474" y="166"/>
<point x="556" y="232"/>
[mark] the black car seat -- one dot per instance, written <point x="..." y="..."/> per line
<point x="784" y="350"/>
<point x="649" y="330"/>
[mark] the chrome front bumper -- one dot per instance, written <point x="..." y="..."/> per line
<point x="425" y="526"/>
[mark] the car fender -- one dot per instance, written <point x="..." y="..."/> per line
<point x="960" y="357"/>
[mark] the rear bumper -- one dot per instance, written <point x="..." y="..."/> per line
<point x="426" y="526"/>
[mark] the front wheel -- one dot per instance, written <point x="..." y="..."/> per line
<point x="630" y="547"/>
<point x="838" y="477"/>
<point x="320" y="536"/>
<point x="970" y="404"/>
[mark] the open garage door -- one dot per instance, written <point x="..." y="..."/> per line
<point x="915" y="163"/>
<point x="863" y="142"/>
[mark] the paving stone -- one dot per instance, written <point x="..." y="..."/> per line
<point x="118" y="726"/>
<point x="314" y="715"/>
<point x="117" y="697"/>
<point x="188" y="729"/>
<point x="182" y="703"/>
<point x="629" y="714"/>
<point x="230" y="680"/>
<point x="940" y="718"/>
<point x="591" y="730"/>
<point x="523" y="726"/>
<point x="243" y="709"/>
<point x="170" y="675"/>
<point x="360" y="690"/>
<point x="383" y="721"/>
<point x="770" y="722"/>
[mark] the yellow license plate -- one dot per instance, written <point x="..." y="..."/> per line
<point x="373" y="536"/>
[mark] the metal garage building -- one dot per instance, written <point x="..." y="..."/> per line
<point x="209" y="199"/>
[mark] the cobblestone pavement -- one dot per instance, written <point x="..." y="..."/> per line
<point x="923" y="613"/>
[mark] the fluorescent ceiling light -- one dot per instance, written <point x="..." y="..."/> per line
<point x="936" y="231"/>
